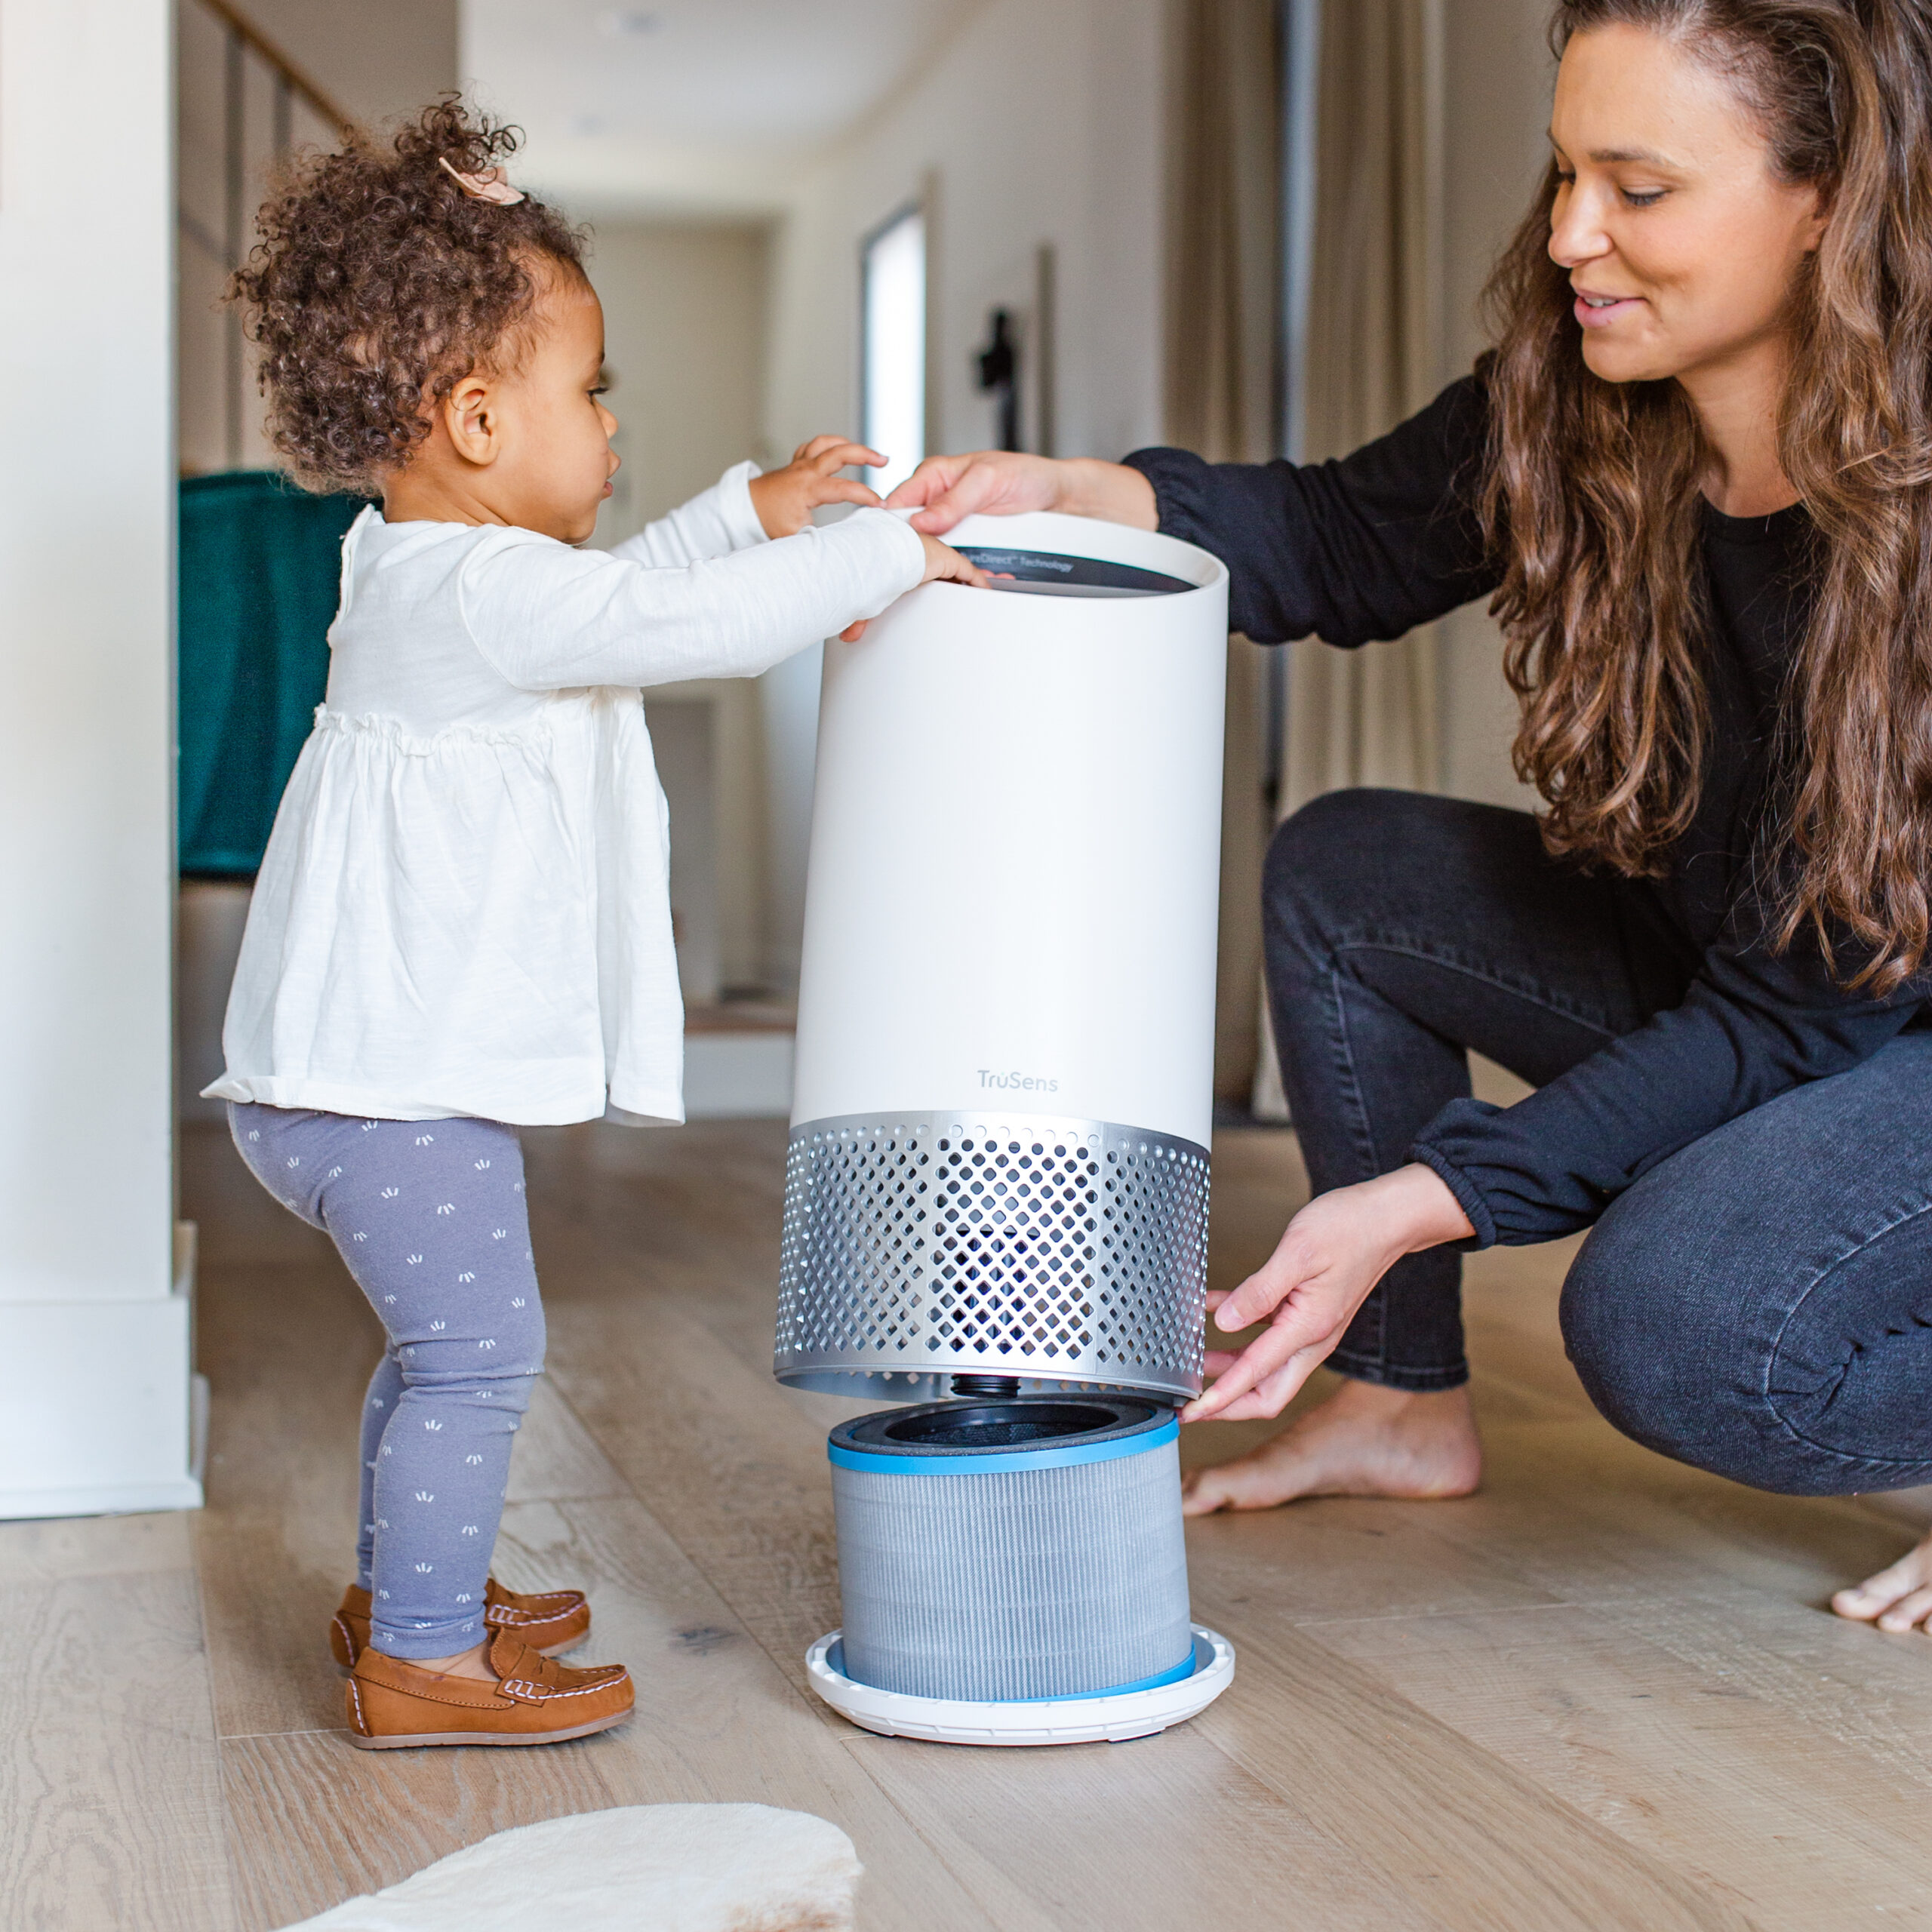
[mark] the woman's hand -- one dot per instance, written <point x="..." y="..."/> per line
<point x="1334" y="1252"/>
<point x="786" y="498"/>
<point x="1004" y="482"/>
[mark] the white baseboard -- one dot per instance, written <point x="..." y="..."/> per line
<point x="129" y="1499"/>
<point x="101" y="1416"/>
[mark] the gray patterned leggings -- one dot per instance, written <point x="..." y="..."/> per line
<point x="430" y="1217"/>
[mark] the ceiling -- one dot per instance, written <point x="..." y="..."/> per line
<point x="704" y="106"/>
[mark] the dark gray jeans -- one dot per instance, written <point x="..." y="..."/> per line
<point x="1760" y="1303"/>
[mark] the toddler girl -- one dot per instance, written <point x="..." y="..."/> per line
<point x="461" y="923"/>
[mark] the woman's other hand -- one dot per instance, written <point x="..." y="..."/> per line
<point x="944" y="564"/>
<point x="1333" y="1253"/>
<point x="1005" y="482"/>
<point x="786" y="498"/>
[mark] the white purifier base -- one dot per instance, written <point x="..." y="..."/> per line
<point x="1109" y="1718"/>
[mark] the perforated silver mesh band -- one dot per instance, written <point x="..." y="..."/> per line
<point x="920" y="1246"/>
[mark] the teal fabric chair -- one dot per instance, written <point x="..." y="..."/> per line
<point x="260" y="562"/>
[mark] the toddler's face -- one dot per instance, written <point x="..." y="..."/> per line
<point x="555" y="461"/>
<point x="528" y="446"/>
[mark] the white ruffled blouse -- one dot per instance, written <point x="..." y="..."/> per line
<point x="464" y="906"/>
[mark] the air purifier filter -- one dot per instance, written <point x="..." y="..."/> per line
<point x="1003" y="1092"/>
<point x="1029" y="1548"/>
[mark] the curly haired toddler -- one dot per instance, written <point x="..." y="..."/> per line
<point x="462" y="924"/>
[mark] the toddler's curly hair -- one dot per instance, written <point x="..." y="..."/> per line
<point x="377" y="283"/>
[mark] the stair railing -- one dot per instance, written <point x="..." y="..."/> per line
<point x="243" y="40"/>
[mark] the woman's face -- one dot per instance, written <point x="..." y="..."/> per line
<point x="1681" y="240"/>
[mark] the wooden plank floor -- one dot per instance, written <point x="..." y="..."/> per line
<point x="1604" y="1692"/>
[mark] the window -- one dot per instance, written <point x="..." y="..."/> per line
<point x="892" y="347"/>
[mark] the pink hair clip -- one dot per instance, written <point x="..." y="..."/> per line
<point x="490" y="185"/>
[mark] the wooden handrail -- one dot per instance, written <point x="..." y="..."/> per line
<point x="251" y="36"/>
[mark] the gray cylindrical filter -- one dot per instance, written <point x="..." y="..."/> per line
<point x="992" y="1551"/>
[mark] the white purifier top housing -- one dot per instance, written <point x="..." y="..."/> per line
<point x="1004" y="1088"/>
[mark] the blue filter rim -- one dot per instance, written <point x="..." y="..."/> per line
<point x="983" y="1463"/>
<point x="1196" y="1659"/>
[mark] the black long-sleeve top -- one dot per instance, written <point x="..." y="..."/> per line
<point x="1387" y="539"/>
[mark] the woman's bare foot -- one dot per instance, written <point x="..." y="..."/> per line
<point x="1899" y="1598"/>
<point x="1364" y="1441"/>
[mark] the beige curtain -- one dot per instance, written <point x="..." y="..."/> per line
<point x="1372" y="356"/>
<point x="1222" y="398"/>
<point x="1225" y="223"/>
<point x="1369" y="717"/>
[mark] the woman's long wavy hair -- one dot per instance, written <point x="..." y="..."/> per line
<point x="1592" y="488"/>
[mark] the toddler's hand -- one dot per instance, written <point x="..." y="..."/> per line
<point x="786" y="498"/>
<point x="943" y="563"/>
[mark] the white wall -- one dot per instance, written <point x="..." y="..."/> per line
<point x="94" y="1339"/>
<point x="685" y="311"/>
<point x="1040" y="121"/>
<point x="685" y="314"/>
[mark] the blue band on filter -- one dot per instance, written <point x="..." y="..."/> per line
<point x="1021" y="1459"/>
<point x="1188" y="1666"/>
<point x="1185" y="1668"/>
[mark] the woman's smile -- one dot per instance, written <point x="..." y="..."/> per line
<point x="1596" y="311"/>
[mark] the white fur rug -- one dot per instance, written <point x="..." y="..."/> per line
<point x="641" y="1868"/>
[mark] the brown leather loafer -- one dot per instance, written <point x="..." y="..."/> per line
<point x="557" y="1621"/>
<point x="395" y="1706"/>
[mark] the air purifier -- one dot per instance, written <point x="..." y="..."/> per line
<point x="997" y="1184"/>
